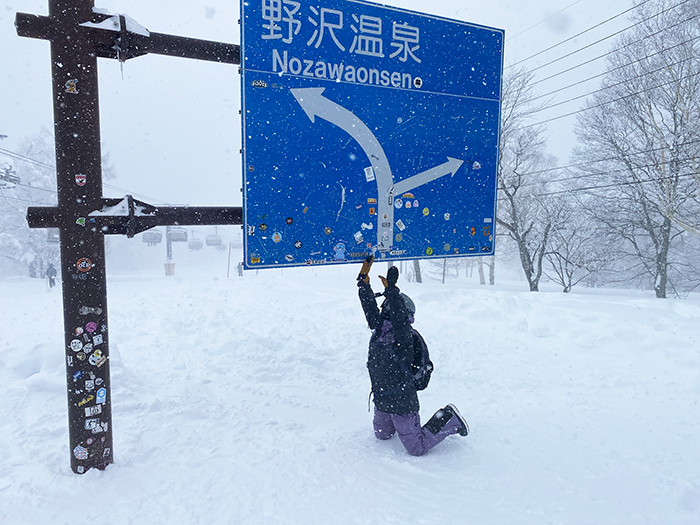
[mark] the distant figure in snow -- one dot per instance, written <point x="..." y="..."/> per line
<point x="390" y="356"/>
<point x="51" y="275"/>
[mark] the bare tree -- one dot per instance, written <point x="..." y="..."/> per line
<point x="576" y="250"/>
<point x="523" y="209"/>
<point x="641" y="128"/>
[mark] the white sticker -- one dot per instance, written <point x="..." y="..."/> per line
<point x="369" y="174"/>
<point x="400" y="225"/>
<point x="76" y="345"/>
<point x="93" y="411"/>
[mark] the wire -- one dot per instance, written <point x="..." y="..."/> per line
<point x="665" y="50"/>
<point x="53" y="168"/>
<point x="582" y="33"/>
<point x="608" y="172"/>
<point x="19" y="156"/>
<point x="542" y="21"/>
<point x="577" y="165"/>
<point x="607" y="102"/>
<point x="613" y="185"/>
<point x="16" y="199"/>
<point x="608" y="37"/>
<point x="626" y="81"/>
<point x="615" y="50"/>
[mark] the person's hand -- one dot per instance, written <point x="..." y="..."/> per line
<point x="364" y="271"/>
<point x="392" y="275"/>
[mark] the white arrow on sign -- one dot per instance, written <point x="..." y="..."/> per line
<point x="315" y="104"/>
<point x="448" y="168"/>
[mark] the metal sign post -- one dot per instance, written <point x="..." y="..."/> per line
<point x="367" y="128"/>
<point x="78" y="36"/>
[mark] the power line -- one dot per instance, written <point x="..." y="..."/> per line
<point x="623" y="66"/>
<point x="577" y="165"/>
<point x="613" y="185"/>
<point x="646" y="73"/>
<point x="542" y="21"/>
<point x="615" y="50"/>
<point x="578" y="34"/>
<point x="609" y="36"/>
<point x="606" y="103"/>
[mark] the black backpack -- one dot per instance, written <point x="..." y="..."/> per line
<point x="422" y="366"/>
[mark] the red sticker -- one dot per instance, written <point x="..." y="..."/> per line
<point x="80" y="179"/>
<point x="84" y="264"/>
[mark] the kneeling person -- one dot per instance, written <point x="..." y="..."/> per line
<point x="396" y="407"/>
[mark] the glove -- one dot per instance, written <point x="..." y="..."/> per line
<point x="392" y="275"/>
<point x="364" y="271"/>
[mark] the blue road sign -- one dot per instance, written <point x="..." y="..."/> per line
<point x="366" y="128"/>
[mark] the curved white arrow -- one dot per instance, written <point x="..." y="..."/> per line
<point x="315" y="104"/>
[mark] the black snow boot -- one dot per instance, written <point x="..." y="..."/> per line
<point x="452" y="410"/>
<point x="436" y="423"/>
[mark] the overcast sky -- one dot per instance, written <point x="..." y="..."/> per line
<point x="172" y="125"/>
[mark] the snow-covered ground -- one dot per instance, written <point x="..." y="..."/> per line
<point x="244" y="401"/>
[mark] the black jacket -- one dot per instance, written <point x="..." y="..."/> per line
<point x="390" y="351"/>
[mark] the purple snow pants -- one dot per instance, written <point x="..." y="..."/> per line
<point x="416" y="439"/>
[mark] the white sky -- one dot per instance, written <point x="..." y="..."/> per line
<point x="172" y="125"/>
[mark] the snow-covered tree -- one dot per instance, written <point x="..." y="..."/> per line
<point x="639" y="139"/>
<point x="20" y="245"/>
<point x="524" y="211"/>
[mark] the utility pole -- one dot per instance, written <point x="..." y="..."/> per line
<point x="78" y="37"/>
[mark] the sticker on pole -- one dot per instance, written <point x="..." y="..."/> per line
<point x="366" y="128"/>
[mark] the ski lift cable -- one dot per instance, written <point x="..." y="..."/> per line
<point x="19" y="156"/>
<point x="30" y="160"/>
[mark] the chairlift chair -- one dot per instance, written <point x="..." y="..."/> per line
<point x="213" y="240"/>
<point x="53" y="235"/>
<point x="152" y="237"/>
<point x="177" y="235"/>
<point x="195" y="244"/>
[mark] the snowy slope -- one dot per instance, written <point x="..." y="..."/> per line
<point x="244" y="400"/>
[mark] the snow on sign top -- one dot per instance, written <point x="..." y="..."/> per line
<point x="366" y="128"/>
